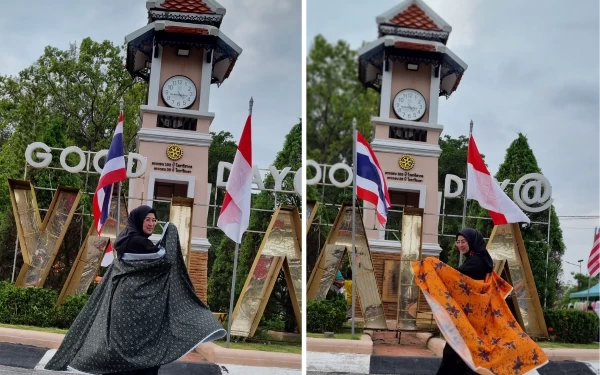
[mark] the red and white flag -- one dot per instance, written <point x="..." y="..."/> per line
<point x="594" y="261"/>
<point x="235" y="212"/>
<point x="482" y="187"/>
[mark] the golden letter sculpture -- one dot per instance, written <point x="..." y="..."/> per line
<point x="181" y="216"/>
<point x="280" y="248"/>
<point x="410" y="251"/>
<point x="339" y="241"/>
<point x="506" y="243"/>
<point x="40" y="241"/>
<point x="86" y="264"/>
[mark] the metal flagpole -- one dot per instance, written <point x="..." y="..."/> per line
<point x="587" y="299"/>
<point x="464" y="216"/>
<point x="354" y="139"/>
<point x="122" y="104"/>
<point x="235" y="261"/>
<point x="548" y="259"/>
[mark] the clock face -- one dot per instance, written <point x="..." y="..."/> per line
<point x="179" y="92"/>
<point x="410" y="105"/>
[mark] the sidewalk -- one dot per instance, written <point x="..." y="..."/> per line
<point x="205" y="353"/>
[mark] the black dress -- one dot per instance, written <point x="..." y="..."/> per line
<point x="476" y="266"/>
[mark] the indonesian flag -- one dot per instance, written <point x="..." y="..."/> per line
<point x="594" y="260"/>
<point x="482" y="187"/>
<point x="108" y="257"/>
<point x="235" y="212"/>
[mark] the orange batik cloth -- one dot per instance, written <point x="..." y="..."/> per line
<point x="476" y="321"/>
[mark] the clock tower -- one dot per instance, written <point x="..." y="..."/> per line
<point x="181" y="52"/>
<point x="411" y="67"/>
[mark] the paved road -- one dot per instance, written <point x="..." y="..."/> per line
<point x="422" y="367"/>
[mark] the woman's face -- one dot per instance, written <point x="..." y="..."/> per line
<point x="462" y="244"/>
<point x="149" y="223"/>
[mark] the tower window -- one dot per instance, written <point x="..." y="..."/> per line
<point x="408" y="134"/>
<point x="178" y="123"/>
<point x="399" y="199"/>
<point x="165" y="191"/>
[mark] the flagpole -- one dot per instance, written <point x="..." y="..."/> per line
<point x="235" y="262"/>
<point x="587" y="299"/>
<point x="121" y="105"/>
<point x="353" y="265"/>
<point x="464" y="215"/>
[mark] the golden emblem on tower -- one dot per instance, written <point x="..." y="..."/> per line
<point x="406" y="162"/>
<point x="174" y="152"/>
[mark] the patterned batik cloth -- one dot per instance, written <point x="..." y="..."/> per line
<point x="143" y="314"/>
<point x="476" y="321"/>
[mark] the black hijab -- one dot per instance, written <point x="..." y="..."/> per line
<point x="133" y="239"/>
<point x="478" y="256"/>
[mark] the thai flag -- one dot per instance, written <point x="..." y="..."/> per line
<point x="370" y="181"/>
<point x="114" y="171"/>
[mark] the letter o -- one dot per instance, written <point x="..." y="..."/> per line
<point x="315" y="180"/>
<point x="334" y="168"/>
<point x="99" y="154"/>
<point x="63" y="159"/>
<point x="45" y="156"/>
<point x="298" y="181"/>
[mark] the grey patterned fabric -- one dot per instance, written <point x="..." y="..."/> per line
<point x="144" y="313"/>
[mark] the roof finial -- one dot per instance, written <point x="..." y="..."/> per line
<point x="251" y="104"/>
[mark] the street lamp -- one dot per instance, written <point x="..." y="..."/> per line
<point x="579" y="261"/>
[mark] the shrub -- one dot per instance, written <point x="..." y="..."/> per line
<point x="27" y="306"/>
<point x="69" y="309"/>
<point x="573" y="326"/>
<point x="326" y="315"/>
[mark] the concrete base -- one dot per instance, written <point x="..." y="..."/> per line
<point x="216" y="354"/>
<point x="362" y="346"/>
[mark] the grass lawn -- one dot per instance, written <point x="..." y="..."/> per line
<point x="550" y="344"/>
<point x="341" y="335"/>
<point x="31" y="328"/>
<point x="263" y="347"/>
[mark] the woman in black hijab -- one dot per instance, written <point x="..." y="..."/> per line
<point x="134" y="238"/>
<point x="477" y="265"/>
<point x="144" y="314"/>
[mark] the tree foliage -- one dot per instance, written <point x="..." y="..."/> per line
<point x="67" y="97"/>
<point x="220" y="273"/>
<point x="544" y="258"/>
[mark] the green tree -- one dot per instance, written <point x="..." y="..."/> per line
<point x="67" y="97"/>
<point x="453" y="160"/>
<point x="221" y="271"/>
<point x="518" y="161"/>
<point x="334" y="97"/>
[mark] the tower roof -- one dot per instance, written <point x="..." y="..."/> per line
<point x="141" y="45"/>
<point x="208" y="12"/>
<point x="413" y="18"/>
<point x="374" y="57"/>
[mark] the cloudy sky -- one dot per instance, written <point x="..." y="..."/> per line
<point x="533" y="68"/>
<point x="269" y="68"/>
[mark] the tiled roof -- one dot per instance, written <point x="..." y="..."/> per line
<point x="187" y="6"/>
<point x="415" y="18"/>
<point x="416" y="46"/>
<point x="186" y="30"/>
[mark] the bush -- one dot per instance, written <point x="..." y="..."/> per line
<point x="27" y="306"/>
<point x="69" y="309"/>
<point x="326" y="315"/>
<point x="36" y="307"/>
<point x="573" y="326"/>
